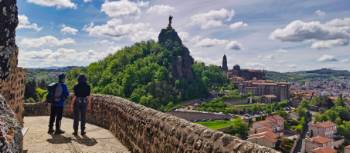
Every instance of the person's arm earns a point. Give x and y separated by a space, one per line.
73 101
65 91
72 104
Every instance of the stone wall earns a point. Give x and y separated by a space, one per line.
11 77
11 139
144 130
11 81
12 89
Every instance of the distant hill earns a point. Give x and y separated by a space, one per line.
320 74
48 74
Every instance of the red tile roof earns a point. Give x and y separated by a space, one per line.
326 124
324 150
267 135
275 118
320 139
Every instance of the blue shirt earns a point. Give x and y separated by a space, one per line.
65 93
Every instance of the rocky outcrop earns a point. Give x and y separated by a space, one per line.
182 61
11 138
145 130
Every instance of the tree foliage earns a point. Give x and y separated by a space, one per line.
143 74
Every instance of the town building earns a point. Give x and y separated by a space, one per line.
273 123
266 138
317 142
264 88
326 129
267 132
246 74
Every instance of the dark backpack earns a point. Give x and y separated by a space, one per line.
51 88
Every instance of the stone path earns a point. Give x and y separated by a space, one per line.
36 139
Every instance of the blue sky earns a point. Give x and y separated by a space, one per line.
288 35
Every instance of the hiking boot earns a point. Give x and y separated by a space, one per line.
50 131
83 132
59 131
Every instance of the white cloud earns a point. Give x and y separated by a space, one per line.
184 36
329 34
87 1
24 23
115 28
208 42
61 57
233 45
292 66
267 57
342 23
161 9
54 3
327 58
320 13
69 30
213 18
255 65
344 60
282 51
323 44
120 8
47 41
238 25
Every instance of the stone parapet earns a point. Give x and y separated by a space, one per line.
145 130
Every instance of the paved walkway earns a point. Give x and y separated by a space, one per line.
36 139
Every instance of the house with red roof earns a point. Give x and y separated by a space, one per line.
317 142
326 129
266 138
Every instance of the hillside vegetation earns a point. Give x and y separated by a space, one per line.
155 74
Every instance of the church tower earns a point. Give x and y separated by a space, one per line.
224 64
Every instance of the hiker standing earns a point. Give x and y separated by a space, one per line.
58 93
81 104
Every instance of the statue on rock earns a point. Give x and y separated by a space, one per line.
169 34
170 21
181 64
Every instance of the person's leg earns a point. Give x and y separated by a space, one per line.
52 119
76 118
83 110
58 120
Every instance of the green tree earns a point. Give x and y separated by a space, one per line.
29 91
238 128
344 129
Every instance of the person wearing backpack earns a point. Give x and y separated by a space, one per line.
81 103
58 93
